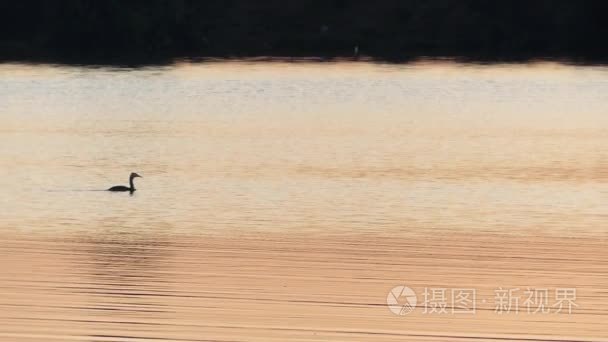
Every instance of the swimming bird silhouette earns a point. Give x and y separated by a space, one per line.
130 188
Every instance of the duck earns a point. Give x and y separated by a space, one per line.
129 188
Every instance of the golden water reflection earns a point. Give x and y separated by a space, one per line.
283 201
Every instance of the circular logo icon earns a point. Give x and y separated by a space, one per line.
401 300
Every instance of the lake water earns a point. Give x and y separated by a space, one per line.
283 201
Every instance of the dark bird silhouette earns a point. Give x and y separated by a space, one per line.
130 188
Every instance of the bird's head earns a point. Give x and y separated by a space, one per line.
135 175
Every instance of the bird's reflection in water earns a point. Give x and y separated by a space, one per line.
128 285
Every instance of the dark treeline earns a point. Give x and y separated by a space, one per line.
382 29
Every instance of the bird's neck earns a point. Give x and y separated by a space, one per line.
131 184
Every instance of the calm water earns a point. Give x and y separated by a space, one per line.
283 201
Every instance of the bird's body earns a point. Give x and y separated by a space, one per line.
120 188
130 188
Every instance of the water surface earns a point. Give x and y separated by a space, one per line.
283 201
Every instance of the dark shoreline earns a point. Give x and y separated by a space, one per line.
147 61
158 32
